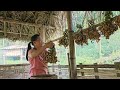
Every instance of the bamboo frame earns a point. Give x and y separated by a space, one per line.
23 23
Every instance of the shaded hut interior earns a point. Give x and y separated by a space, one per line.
21 25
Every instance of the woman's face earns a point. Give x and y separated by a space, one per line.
38 43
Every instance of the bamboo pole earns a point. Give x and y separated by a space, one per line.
56 39
71 47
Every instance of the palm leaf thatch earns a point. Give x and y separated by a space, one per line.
21 25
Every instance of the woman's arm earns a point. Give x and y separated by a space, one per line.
35 53
43 55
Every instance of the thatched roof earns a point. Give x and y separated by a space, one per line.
21 25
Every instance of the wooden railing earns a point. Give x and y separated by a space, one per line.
94 71
98 71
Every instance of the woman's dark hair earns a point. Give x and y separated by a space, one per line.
33 38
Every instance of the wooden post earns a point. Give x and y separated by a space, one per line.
117 67
96 70
69 65
100 49
71 47
81 67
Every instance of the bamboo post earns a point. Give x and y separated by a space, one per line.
69 65
71 47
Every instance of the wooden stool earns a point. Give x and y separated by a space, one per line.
48 76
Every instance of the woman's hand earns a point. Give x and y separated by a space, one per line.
40 51
49 44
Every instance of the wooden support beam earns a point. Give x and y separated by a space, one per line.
71 47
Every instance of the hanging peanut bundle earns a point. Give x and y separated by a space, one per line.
109 26
108 29
117 21
93 33
64 40
51 55
80 36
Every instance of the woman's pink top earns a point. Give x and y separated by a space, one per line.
38 66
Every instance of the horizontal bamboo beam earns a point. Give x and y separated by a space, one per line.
56 39
13 33
23 23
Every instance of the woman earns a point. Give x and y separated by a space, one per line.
36 55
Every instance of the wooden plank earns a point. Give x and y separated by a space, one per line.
99 66
101 71
89 66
